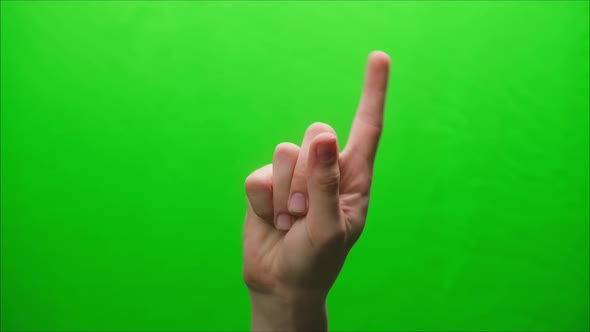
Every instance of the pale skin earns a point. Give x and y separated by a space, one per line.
305 212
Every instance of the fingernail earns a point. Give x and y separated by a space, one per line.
325 151
283 222
297 203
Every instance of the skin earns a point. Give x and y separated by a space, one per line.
305 212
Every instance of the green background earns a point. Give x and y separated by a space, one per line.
128 129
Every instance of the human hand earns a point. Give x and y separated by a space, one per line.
307 209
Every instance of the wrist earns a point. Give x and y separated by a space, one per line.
288 312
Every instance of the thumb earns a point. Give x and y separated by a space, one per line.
323 180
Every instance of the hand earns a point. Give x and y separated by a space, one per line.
307 209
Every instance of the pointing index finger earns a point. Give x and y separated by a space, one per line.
368 122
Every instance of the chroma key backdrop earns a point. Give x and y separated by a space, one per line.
128 129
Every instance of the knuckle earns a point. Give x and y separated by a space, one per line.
373 123
298 182
329 182
256 181
286 149
252 182
318 128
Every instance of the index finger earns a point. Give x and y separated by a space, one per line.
368 122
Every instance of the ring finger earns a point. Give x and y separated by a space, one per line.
283 165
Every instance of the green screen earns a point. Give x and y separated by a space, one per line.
128 129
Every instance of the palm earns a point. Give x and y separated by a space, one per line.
309 256
288 254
